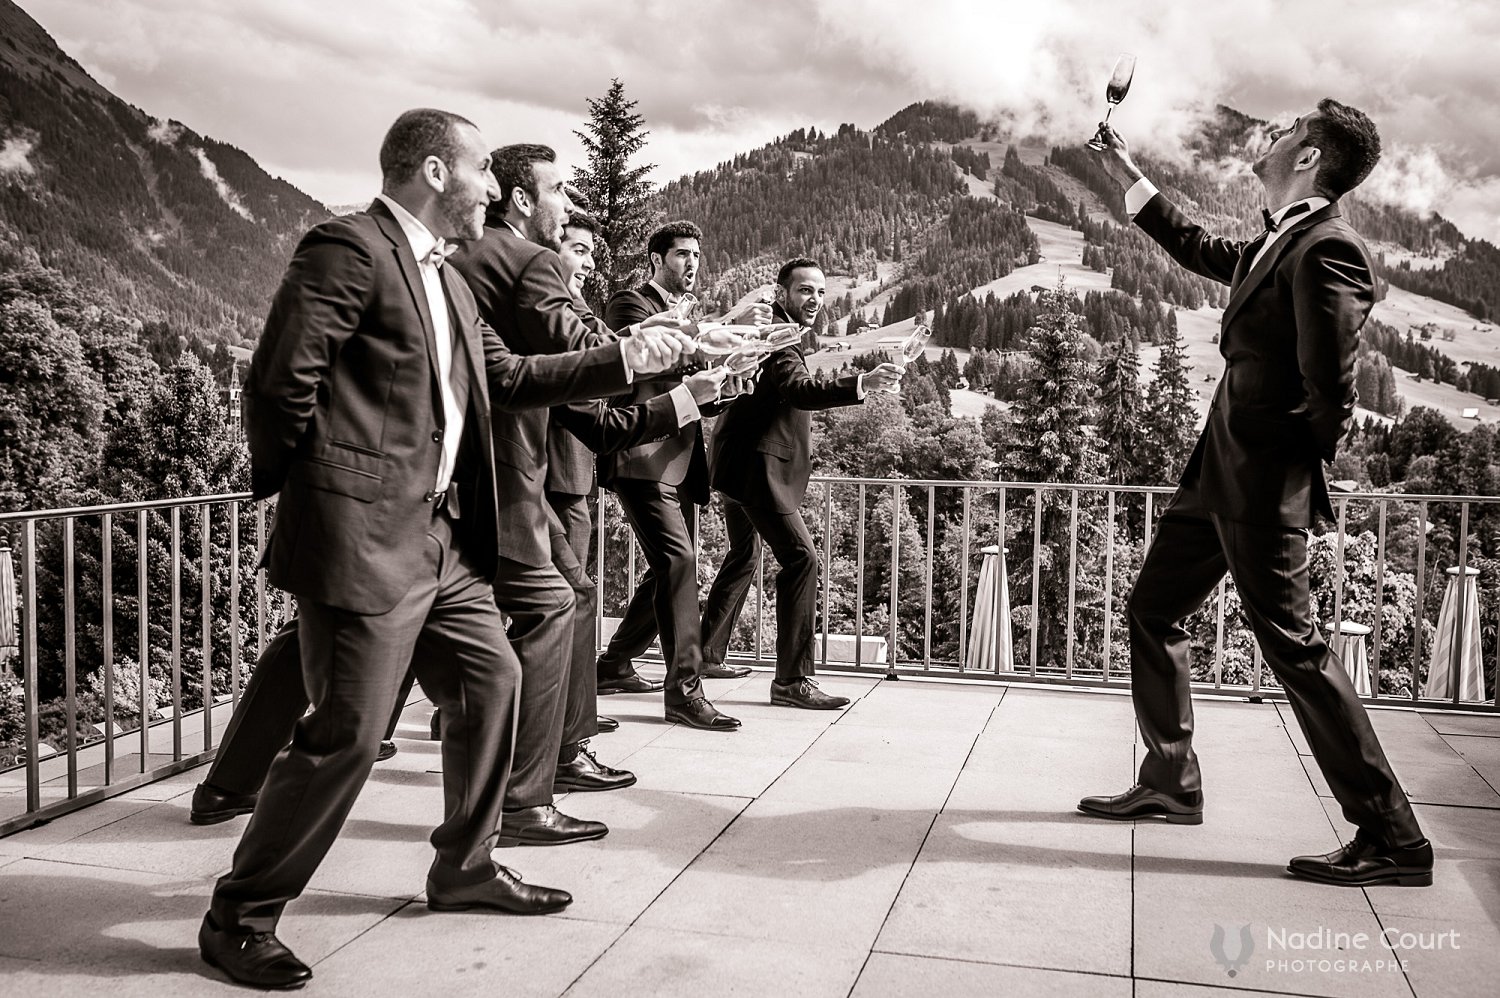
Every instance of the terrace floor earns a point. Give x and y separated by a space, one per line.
923 842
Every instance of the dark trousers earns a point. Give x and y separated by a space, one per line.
540 605
352 667
666 599
1269 564
581 720
796 586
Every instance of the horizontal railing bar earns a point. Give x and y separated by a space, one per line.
119 507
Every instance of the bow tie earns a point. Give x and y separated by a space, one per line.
440 253
1300 208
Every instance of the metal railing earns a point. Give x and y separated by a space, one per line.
124 677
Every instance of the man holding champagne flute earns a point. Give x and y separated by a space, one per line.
760 459
1299 294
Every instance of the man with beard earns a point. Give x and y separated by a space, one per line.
367 407
660 486
1299 294
516 275
760 458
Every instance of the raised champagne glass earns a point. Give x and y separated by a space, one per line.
911 349
1119 86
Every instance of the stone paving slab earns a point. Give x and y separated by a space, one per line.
924 841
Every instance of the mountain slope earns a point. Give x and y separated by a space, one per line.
173 226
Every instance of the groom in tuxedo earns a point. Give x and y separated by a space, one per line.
367 409
1299 294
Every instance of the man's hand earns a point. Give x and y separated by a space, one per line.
756 313
883 376
705 385
654 349
1115 157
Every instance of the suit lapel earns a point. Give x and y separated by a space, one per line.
648 292
408 263
1267 263
465 330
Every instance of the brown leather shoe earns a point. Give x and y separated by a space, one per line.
545 825
258 959
718 670
1364 863
212 805
1143 802
587 773
804 693
699 713
505 893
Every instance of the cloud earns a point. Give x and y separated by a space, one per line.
311 88
165 132
211 174
15 157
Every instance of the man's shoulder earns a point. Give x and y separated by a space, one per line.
1334 236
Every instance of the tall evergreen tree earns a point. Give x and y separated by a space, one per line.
618 194
1120 411
1171 418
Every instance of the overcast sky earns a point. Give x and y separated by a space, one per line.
308 88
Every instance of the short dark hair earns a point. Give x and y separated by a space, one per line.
580 219
513 166
415 135
662 239
784 275
1349 143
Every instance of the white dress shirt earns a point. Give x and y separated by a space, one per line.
422 243
1144 190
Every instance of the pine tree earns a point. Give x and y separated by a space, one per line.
1120 412
1170 415
618 194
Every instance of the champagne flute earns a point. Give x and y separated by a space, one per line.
911 349
683 308
1119 86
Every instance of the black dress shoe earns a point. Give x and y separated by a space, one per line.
1143 802
545 825
633 683
255 958
212 805
718 670
606 724
586 772
699 713
1364 863
387 749
435 725
505 893
804 693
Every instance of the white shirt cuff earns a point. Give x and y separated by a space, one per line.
1140 192
859 387
629 371
686 406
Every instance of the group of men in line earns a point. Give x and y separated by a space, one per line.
429 415
392 359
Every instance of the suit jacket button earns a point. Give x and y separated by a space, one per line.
437 436
427 496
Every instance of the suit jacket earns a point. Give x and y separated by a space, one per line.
344 418
679 460
571 465
761 449
1288 339
520 291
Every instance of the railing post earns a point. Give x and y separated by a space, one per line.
963 588
859 582
206 615
1379 602
107 638
143 631
70 657
1338 570
931 534
176 589
234 603
890 662
1036 575
1416 636
827 563
1072 578
29 670
1109 581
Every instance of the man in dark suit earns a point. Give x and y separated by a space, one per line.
760 459
516 275
367 408
660 486
1299 295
